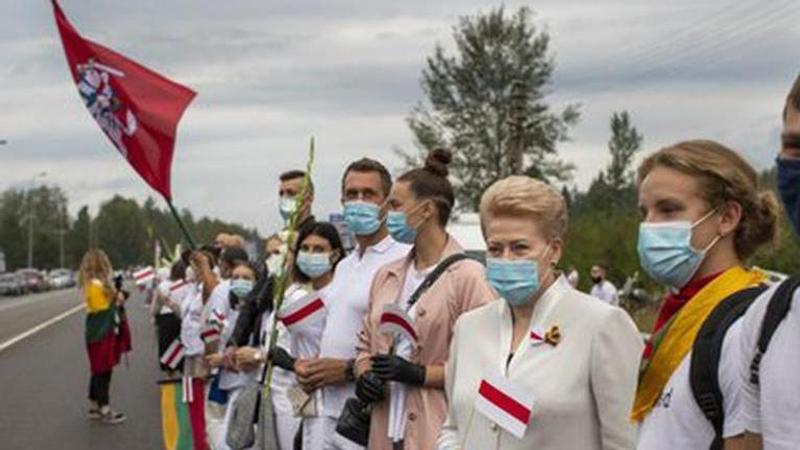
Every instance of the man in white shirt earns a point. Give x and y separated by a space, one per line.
365 186
602 288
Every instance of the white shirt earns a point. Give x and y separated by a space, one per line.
772 408
282 380
192 321
676 422
606 292
349 299
583 387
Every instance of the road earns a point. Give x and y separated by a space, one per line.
44 380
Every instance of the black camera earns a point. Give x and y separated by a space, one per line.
118 282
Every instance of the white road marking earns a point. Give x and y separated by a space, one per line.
41 326
10 303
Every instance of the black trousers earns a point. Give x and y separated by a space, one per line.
99 386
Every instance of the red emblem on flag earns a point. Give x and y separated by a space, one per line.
136 108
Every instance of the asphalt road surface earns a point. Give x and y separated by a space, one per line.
44 379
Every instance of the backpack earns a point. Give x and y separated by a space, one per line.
707 349
706 353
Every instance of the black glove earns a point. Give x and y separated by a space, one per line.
281 358
370 388
395 368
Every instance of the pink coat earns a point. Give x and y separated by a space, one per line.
461 288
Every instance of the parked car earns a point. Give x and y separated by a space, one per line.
12 284
34 280
60 279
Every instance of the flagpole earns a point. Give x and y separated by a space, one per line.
177 217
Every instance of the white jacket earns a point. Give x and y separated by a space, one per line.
583 387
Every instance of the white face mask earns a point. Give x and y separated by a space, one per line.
287 207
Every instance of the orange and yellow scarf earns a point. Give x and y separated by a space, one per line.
674 341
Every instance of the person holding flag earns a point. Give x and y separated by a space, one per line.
319 251
413 304
546 366
107 331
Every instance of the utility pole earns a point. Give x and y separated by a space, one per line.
61 232
517 121
30 217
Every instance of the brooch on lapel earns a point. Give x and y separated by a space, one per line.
553 336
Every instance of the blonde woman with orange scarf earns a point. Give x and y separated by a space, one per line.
702 218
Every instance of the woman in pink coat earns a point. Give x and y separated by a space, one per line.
404 344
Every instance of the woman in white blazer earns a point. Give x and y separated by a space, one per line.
548 367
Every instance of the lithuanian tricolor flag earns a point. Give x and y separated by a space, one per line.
183 422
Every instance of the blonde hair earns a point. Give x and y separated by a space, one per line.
95 265
723 176
520 196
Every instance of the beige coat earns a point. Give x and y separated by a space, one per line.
583 387
461 288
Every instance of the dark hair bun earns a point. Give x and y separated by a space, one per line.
437 162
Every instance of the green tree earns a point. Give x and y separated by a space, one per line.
614 187
121 232
77 241
487 105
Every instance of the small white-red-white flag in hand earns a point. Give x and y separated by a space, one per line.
302 311
504 403
396 321
173 355
144 276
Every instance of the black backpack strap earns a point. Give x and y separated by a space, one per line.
777 309
434 275
706 353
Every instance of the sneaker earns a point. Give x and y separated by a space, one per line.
94 414
112 417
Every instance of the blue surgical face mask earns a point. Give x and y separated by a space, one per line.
397 224
666 252
287 206
363 218
314 265
515 280
241 287
789 188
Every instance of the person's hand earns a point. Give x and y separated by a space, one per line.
370 388
199 261
248 357
791 124
229 358
281 358
315 373
395 368
214 360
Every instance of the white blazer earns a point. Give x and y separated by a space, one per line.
583 387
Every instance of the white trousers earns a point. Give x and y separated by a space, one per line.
286 426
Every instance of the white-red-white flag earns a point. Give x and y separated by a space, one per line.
302 310
504 403
173 355
210 333
396 321
144 276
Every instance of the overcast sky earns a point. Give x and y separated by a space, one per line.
271 73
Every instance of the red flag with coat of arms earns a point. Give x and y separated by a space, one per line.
136 108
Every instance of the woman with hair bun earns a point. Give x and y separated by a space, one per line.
703 216
402 373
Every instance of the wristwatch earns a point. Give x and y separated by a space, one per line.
349 371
